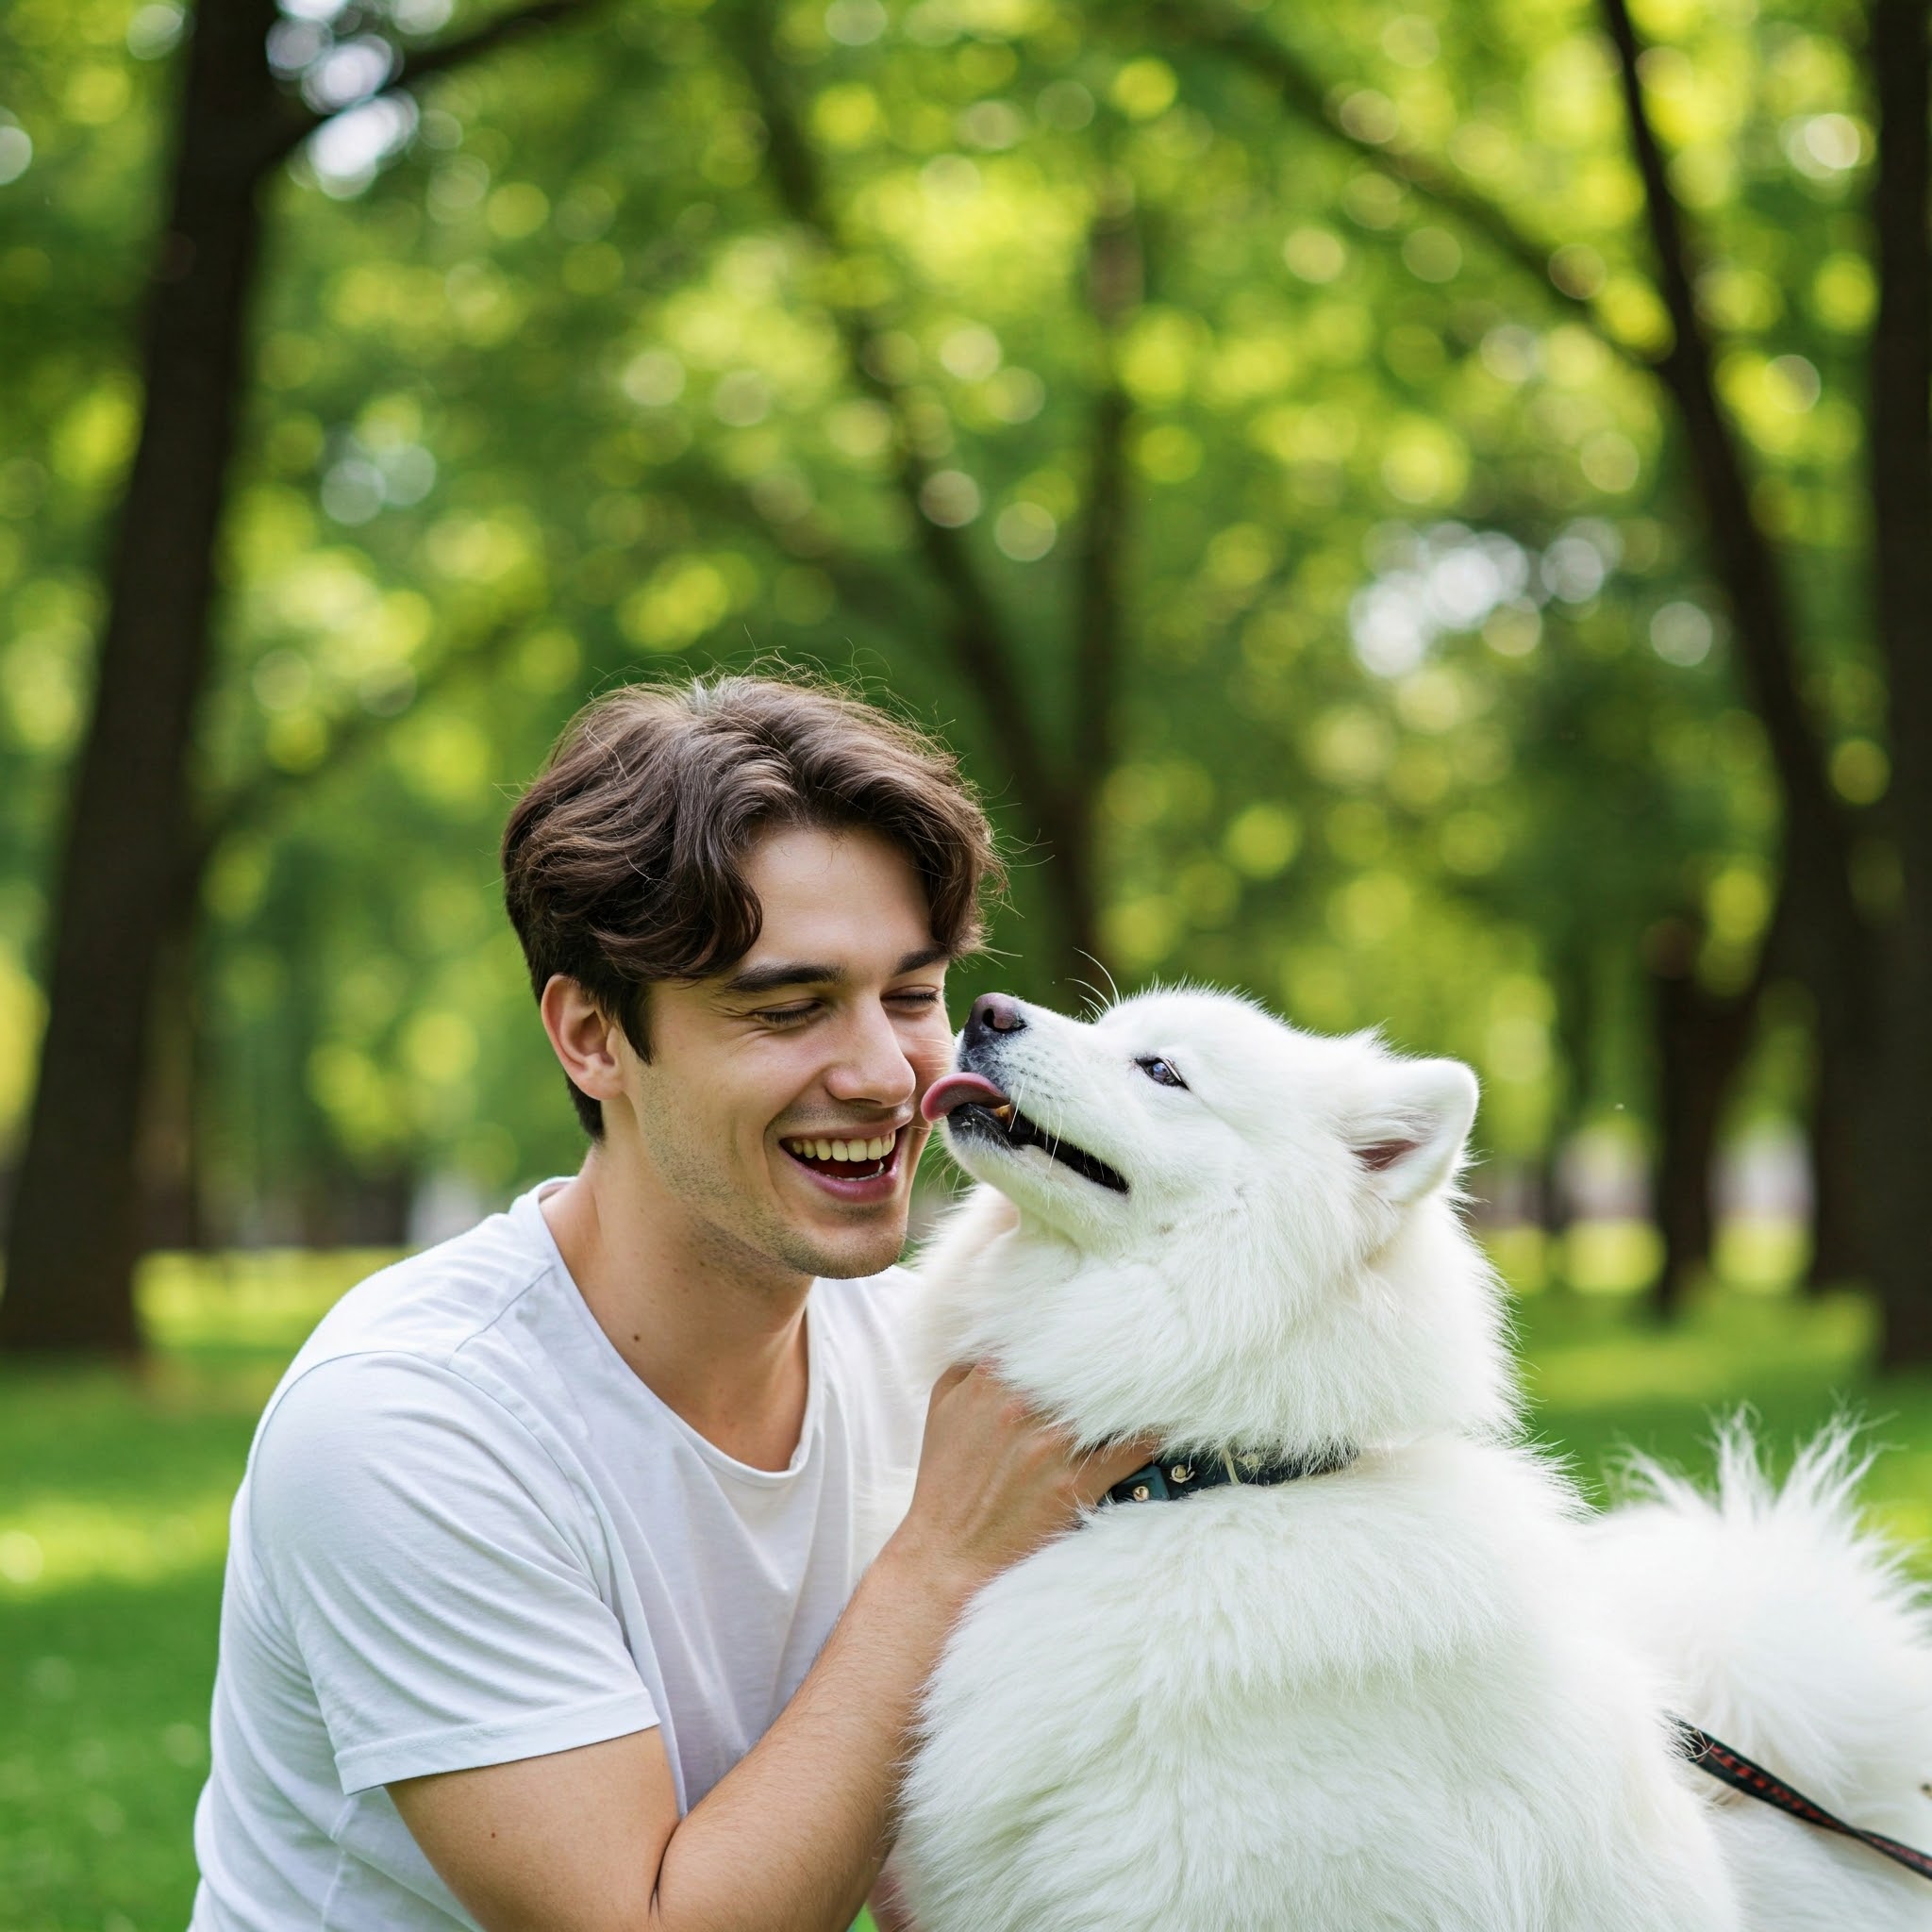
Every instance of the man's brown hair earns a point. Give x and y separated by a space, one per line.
623 863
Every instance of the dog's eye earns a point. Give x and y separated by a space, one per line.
1161 1073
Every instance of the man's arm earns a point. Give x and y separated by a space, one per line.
793 1836
588 1841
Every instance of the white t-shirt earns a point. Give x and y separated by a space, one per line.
469 1534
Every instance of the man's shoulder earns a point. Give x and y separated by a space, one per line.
434 1303
413 1323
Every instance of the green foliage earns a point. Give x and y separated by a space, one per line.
1425 714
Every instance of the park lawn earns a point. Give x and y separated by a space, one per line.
114 1494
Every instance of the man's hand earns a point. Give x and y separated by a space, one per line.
996 1480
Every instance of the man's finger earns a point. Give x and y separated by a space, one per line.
949 1380
1100 1469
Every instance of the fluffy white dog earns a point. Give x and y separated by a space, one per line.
1388 1680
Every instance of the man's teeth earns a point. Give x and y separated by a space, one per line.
874 1149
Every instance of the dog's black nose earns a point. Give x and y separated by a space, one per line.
994 1012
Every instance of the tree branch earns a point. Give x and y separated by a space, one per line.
872 588
254 797
1305 95
444 57
985 655
297 120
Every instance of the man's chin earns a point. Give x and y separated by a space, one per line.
847 1254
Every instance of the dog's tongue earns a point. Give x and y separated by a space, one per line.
958 1089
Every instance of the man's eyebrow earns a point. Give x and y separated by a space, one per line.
757 979
785 973
934 954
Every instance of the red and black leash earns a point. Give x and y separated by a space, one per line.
1733 1768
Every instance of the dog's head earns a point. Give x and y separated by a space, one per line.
1228 1230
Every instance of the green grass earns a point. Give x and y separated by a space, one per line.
114 1497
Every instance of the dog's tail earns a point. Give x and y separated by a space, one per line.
1787 1628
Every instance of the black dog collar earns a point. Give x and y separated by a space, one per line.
1180 1473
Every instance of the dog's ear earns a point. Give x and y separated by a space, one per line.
1409 1141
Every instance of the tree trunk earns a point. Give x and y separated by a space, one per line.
1838 1255
74 1233
338 1206
1115 272
1701 1040
73 1229
1094 691
1573 981
1898 1147
1874 986
168 1149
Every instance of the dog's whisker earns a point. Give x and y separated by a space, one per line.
1095 999
1101 966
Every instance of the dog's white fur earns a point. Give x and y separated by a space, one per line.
1796 1637
1417 1693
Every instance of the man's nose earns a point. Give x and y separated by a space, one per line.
994 1013
873 1066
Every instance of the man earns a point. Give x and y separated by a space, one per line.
564 1589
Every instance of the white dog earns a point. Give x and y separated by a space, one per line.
1387 1679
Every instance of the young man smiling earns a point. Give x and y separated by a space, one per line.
587 1568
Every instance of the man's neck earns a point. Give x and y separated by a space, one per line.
715 1332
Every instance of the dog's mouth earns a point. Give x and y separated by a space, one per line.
973 1104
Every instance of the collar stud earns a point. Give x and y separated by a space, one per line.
1163 1481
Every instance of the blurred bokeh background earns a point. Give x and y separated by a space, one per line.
1422 512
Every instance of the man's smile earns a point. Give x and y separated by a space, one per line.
860 1164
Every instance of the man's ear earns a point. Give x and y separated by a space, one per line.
1409 1141
584 1037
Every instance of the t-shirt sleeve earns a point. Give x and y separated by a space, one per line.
428 1557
